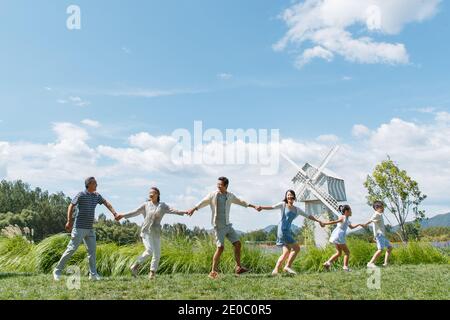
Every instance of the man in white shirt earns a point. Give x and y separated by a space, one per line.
220 202
379 233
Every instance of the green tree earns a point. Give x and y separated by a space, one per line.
38 210
119 233
399 192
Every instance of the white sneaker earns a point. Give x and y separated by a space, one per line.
327 266
275 273
94 277
347 269
371 265
134 270
56 276
290 271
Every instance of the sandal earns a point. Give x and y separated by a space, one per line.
241 270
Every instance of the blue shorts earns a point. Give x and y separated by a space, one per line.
382 242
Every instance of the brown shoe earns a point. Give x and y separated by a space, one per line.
241 270
213 275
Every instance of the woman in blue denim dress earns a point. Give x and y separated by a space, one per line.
285 237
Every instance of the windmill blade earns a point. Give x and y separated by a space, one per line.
324 163
301 176
300 190
326 199
294 164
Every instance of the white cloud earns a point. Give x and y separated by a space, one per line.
224 76
311 53
426 110
328 138
74 100
144 140
346 78
126 50
127 172
91 123
443 117
325 25
152 93
360 130
77 101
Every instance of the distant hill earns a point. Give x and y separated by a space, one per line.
442 220
269 229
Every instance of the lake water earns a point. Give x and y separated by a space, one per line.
268 248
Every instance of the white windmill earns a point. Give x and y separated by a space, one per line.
321 190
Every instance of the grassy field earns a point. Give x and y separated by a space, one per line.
397 283
193 256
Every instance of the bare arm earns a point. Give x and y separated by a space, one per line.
354 226
311 217
110 208
266 208
329 223
69 224
365 225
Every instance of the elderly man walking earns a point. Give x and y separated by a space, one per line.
83 231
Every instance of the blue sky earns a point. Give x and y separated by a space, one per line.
155 66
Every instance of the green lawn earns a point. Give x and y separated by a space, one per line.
397 283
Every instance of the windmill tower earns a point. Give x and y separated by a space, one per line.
321 190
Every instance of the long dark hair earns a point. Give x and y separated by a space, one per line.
285 195
343 208
159 193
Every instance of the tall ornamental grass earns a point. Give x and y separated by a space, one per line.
194 255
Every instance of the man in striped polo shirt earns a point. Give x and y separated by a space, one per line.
85 201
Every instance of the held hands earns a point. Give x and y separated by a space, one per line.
69 226
191 212
118 217
258 208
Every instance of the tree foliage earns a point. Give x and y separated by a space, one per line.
36 209
400 193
